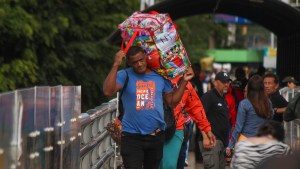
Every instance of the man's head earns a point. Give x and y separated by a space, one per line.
197 69
136 58
222 81
290 81
271 83
240 73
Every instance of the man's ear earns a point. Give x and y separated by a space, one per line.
215 83
127 63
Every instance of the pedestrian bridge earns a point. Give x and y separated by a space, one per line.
42 127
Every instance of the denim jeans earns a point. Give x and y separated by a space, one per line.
142 151
184 147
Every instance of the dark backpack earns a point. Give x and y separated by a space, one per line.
170 121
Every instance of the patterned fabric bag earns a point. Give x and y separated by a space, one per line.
114 128
156 34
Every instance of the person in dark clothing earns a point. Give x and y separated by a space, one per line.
196 81
239 84
279 104
198 86
261 71
217 113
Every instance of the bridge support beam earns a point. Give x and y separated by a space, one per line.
288 56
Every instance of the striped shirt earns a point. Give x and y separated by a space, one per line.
248 155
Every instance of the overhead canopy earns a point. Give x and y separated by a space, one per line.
237 56
275 15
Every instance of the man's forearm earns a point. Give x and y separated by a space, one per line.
281 110
178 93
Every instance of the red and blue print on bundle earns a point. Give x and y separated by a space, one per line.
157 35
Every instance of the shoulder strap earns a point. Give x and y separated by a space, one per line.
121 113
125 84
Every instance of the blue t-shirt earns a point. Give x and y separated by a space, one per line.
142 101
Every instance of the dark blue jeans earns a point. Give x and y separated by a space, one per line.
142 151
182 154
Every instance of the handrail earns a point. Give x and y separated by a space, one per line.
88 147
292 134
97 148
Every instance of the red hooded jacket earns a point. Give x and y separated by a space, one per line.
191 103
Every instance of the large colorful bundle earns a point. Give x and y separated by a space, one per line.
157 35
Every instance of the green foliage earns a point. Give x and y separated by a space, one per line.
63 42
195 32
18 74
58 42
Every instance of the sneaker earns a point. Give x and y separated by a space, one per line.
186 163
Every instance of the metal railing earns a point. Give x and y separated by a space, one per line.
97 149
292 128
42 127
292 134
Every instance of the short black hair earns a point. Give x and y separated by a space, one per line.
240 73
272 75
261 70
197 68
133 50
273 128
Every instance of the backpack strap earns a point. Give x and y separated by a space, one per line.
125 84
120 96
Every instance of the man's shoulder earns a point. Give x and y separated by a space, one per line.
276 98
208 94
277 95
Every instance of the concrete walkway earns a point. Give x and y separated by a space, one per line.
195 165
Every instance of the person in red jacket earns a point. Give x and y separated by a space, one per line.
190 107
231 102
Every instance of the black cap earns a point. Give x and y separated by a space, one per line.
289 79
223 77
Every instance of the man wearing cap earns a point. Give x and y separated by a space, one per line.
291 89
217 113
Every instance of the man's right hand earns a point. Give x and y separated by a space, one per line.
110 86
120 55
209 140
212 138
